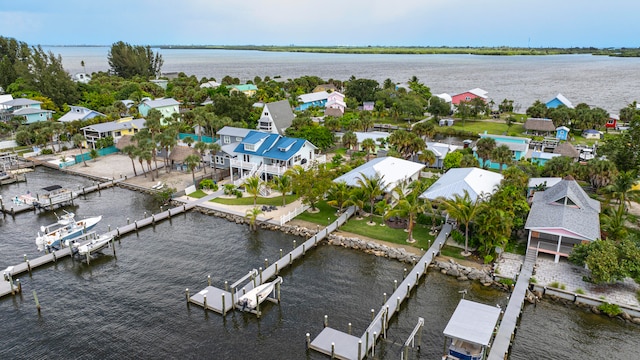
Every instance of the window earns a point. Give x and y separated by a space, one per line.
238 139
297 158
219 160
226 139
250 147
246 157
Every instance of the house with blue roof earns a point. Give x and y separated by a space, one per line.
79 113
267 155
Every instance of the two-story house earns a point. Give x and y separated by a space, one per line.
276 117
27 109
167 107
229 138
267 155
114 129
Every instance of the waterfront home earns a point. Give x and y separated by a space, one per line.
336 101
314 99
539 127
562 216
518 146
540 184
612 123
267 155
479 183
469 95
114 129
562 132
393 171
228 138
325 87
83 78
440 150
212 84
379 137
247 89
470 330
276 117
79 113
167 107
557 101
27 109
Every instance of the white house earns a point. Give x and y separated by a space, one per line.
477 182
276 117
79 113
167 107
391 170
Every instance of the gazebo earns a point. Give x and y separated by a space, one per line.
179 154
470 330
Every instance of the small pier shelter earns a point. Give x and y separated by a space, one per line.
470 330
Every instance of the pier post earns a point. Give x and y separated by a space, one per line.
308 341
260 272
276 268
398 303
128 221
186 294
408 290
35 297
84 192
366 344
290 258
113 245
88 257
19 285
278 291
404 273
145 215
349 329
266 263
280 253
395 285
359 349
209 280
226 286
294 244
420 335
29 266
333 350
385 298
224 306
326 320
109 228
373 314
153 219
417 277
205 303
258 313
135 223
303 249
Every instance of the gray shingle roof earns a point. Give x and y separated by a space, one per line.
281 114
565 209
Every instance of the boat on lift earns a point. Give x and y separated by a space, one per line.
52 236
95 244
257 295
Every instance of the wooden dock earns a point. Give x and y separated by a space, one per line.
13 208
222 301
507 329
345 346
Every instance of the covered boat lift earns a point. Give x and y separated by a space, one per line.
470 331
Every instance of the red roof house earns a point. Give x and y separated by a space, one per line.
468 96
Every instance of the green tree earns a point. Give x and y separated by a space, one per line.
438 107
601 172
484 149
468 160
284 185
464 210
252 187
78 139
452 160
202 148
252 215
338 194
409 206
502 155
372 186
361 89
213 149
427 157
537 110
128 60
192 161
349 140
368 145
559 166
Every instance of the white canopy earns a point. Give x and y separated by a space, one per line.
473 322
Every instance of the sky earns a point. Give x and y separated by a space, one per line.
517 23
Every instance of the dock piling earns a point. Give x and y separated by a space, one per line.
333 350
260 272
326 320
349 329
29 266
404 273
19 285
385 298
35 297
395 285
308 341
186 292
209 280
266 263
205 303
226 286
359 349
224 306
53 253
280 253
373 314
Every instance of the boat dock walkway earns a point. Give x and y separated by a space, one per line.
29 265
508 325
222 301
12 207
340 345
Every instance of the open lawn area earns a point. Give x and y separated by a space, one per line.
275 201
496 128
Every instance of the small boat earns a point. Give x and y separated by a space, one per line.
257 295
55 194
64 229
96 244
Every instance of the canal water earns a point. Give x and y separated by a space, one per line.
133 306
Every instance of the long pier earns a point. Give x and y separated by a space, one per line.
508 325
14 208
223 300
345 346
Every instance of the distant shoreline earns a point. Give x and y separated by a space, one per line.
407 50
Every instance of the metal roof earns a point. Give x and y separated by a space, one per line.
115 126
158 103
455 181
20 102
472 322
316 96
271 147
30 110
233 131
255 137
392 171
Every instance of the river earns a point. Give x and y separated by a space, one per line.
133 306
606 82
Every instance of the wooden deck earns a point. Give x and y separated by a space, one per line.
345 346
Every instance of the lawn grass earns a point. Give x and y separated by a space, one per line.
452 251
275 201
324 217
197 194
385 233
495 128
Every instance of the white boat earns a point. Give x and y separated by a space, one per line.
257 295
96 244
55 194
64 229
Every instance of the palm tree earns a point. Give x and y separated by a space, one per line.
349 140
424 129
192 162
130 151
168 139
427 157
252 214
621 189
372 186
613 221
601 172
284 185
368 145
202 147
338 194
356 198
464 210
502 155
252 187
484 147
213 149
409 206
78 139
139 154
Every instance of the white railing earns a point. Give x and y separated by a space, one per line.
297 211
